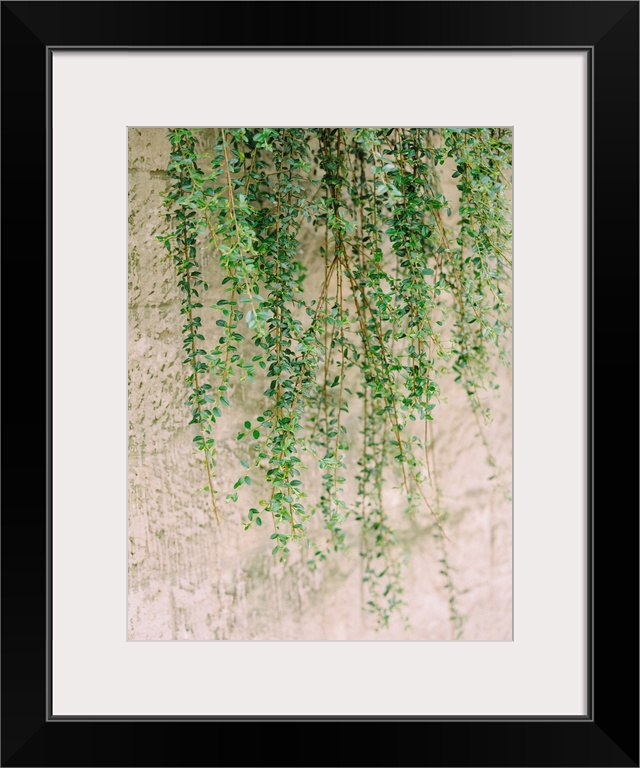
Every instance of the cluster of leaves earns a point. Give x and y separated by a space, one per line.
411 291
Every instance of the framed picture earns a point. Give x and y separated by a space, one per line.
536 680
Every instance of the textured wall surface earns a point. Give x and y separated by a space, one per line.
192 580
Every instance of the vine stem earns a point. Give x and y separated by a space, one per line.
232 208
196 381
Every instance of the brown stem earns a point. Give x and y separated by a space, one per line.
197 383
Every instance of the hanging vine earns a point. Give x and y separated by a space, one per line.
413 288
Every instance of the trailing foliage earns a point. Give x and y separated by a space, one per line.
414 287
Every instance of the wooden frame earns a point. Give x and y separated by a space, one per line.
608 735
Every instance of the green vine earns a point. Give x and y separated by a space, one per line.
413 288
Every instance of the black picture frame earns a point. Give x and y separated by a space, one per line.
608 735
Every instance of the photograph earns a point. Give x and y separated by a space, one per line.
296 394
320 383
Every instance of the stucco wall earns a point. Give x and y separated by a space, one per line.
190 579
